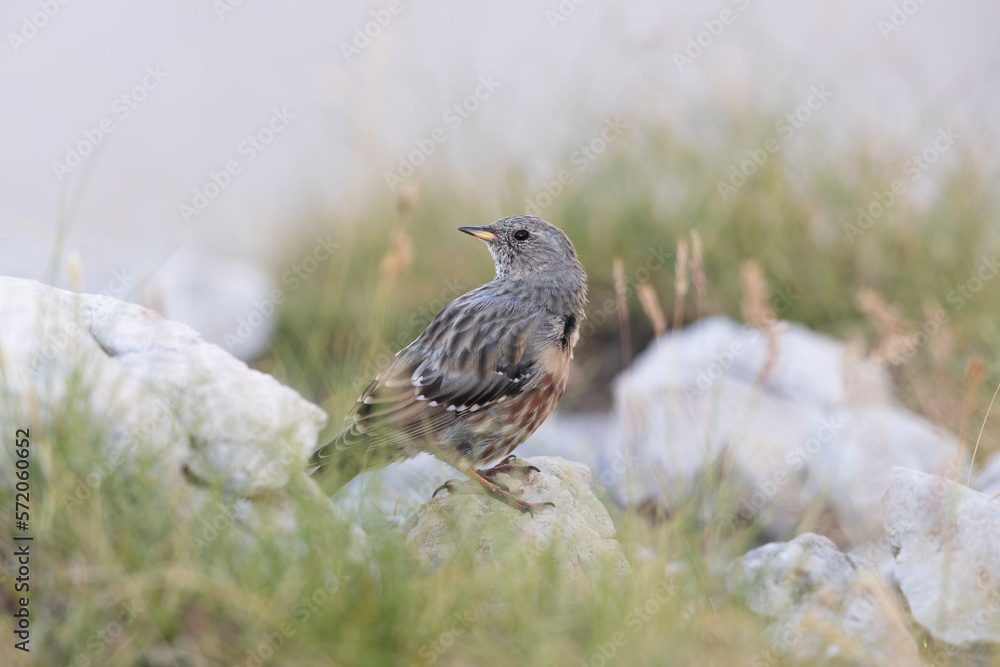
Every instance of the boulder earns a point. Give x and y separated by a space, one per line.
802 427
946 539
822 604
577 532
153 386
988 479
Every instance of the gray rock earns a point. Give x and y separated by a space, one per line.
988 479
398 490
577 532
823 605
818 430
947 542
154 386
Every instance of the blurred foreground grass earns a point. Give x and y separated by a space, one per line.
127 571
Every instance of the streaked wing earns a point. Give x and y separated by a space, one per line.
473 355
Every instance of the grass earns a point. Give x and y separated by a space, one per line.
120 575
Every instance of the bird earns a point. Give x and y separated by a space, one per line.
486 372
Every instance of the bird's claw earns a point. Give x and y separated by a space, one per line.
507 467
446 486
531 507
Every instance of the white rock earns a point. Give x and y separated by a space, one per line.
155 386
577 532
819 430
947 542
823 605
399 489
988 480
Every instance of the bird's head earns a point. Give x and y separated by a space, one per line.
528 248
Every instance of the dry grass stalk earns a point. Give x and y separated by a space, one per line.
651 306
979 439
892 331
397 258
621 291
757 311
74 271
395 261
698 273
407 198
975 375
680 283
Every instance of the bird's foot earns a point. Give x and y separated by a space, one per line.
463 487
498 491
448 486
506 496
508 467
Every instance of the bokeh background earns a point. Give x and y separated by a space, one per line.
118 116
203 157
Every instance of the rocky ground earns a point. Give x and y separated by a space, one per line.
763 431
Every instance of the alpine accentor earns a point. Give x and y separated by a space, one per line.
487 371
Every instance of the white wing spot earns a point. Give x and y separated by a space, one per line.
433 404
460 408
473 408
501 399
421 397
368 400
451 408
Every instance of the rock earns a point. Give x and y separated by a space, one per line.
154 386
988 480
823 605
947 543
399 489
577 532
818 430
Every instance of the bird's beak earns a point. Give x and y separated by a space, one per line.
484 233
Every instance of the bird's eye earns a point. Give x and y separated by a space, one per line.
521 235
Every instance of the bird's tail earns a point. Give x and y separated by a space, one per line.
336 463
